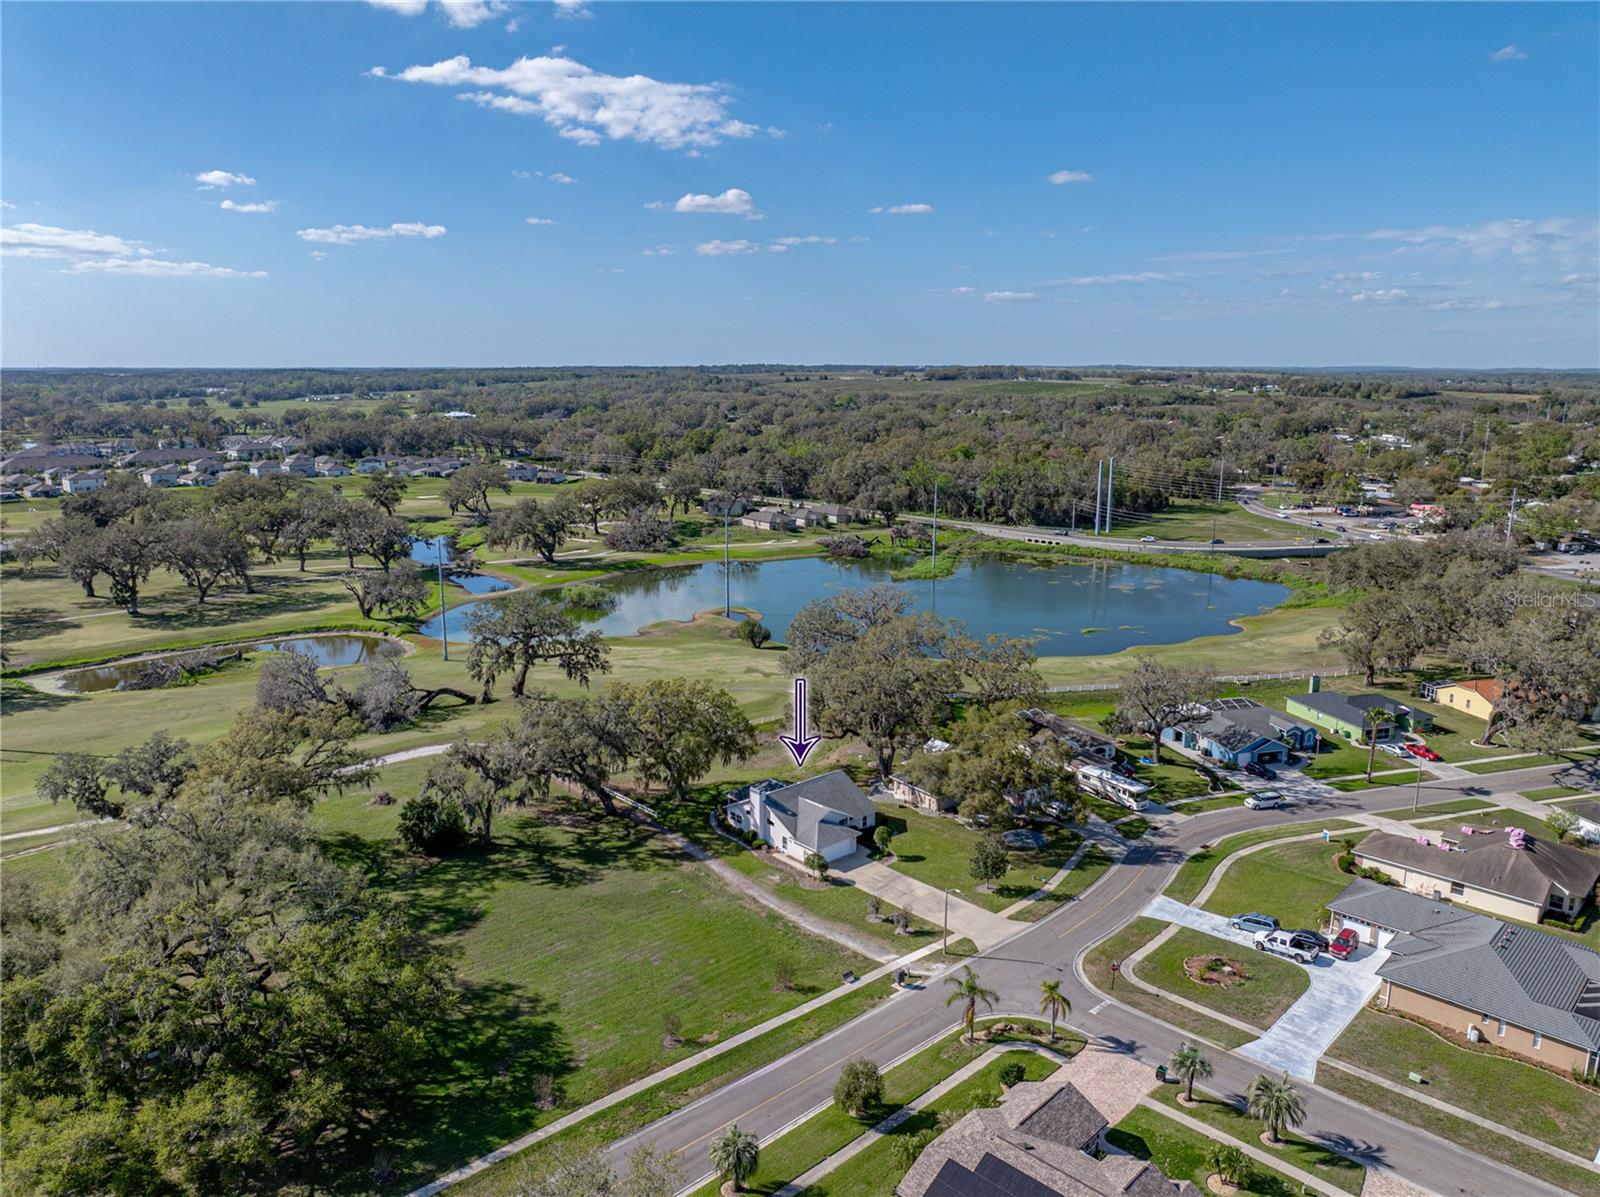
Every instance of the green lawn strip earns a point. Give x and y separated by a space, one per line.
1291 882
938 852
1270 986
1501 818
1193 874
1180 1154
873 1172
507 1177
1295 1150
1202 805
1401 777
1573 757
1523 1096
1132 829
1459 806
1338 759
1097 967
837 902
1091 865
1475 1138
1546 793
800 1149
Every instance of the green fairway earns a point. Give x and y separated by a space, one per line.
1268 988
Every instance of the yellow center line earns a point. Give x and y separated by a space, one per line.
1073 927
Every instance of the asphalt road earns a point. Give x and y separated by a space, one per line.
768 1100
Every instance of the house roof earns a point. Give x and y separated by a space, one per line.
833 790
1490 862
1262 720
809 810
1485 687
1059 1113
1076 734
1224 729
1350 708
1528 977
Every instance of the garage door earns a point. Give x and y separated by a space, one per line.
1273 756
1364 930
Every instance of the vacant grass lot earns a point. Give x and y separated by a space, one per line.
1296 1149
1180 1153
1193 874
1271 987
1195 521
1291 882
938 852
1522 1096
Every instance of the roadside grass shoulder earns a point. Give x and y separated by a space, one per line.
1122 944
938 852
1292 882
1193 874
1297 1150
1401 777
1270 986
1180 1154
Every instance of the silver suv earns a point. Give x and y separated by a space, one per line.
1282 943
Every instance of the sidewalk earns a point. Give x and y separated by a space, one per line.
1254 1150
984 927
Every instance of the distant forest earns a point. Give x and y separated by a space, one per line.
1009 443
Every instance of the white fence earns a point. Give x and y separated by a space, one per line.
1238 678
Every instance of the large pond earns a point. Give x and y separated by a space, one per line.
1070 609
430 551
329 652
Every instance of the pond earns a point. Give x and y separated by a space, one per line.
426 551
1072 609
329 652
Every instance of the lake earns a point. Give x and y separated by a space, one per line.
1070 609
428 551
329 652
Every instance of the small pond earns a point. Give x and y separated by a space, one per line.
427 550
1070 609
329 652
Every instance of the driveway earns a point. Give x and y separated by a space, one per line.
1338 990
927 902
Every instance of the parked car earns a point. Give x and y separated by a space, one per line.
1262 923
1316 523
1344 944
1281 943
1217 540
1147 540
1264 800
1320 540
1392 749
1305 940
1423 751
1257 769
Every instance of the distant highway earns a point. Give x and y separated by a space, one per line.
1301 547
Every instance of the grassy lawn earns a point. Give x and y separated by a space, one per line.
581 937
1458 806
1180 1153
1085 873
1522 1096
1495 818
1400 777
1297 1150
1118 947
938 852
1575 757
1338 759
1547 793
873 1172
1201 805
1271 987
839 903
1571 1177
1291 882
1170 780
818 1137
1193 874
1197 521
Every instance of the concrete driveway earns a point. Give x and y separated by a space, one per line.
927 902
1337 991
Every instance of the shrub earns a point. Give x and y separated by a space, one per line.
902 922
1562 823
754 633
783 975
859 1088
1012 1073
818 864
874 910
881 837
434 826
1229 1163
759 844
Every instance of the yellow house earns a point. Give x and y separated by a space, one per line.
1475 698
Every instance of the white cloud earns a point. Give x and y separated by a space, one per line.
583 104
223 178
659 251
573 10
7 205
158 268
717 249
539 220
1111 280
228 205
902 210
1070 176
562 178
732 202
1467 305
1507 54
786 242
47 241
1009 297
347 234
1560 236
317 255
1383 295
1357 276
406 8
462 14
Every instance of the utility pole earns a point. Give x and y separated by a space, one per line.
727 568
1074 517
1483 465
1111 488
935 521
444 621
1099 483
1511 516
1221 462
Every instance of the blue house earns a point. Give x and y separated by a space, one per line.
1240 731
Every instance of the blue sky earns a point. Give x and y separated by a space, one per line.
1192 184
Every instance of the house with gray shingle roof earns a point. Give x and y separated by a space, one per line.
1519 989
1240 731
826 814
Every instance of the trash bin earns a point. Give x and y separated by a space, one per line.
1161 1073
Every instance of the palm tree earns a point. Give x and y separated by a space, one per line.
1375 717
1228 1162
1189 1064
905 1149
734 1154
968 990
1053 1003
1276 1103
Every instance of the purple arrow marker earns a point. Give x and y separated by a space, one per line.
800 744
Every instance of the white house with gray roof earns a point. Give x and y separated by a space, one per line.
1516 988
825 814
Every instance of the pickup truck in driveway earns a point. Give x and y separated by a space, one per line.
1283 943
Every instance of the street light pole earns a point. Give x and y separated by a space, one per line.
444 623
727 571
